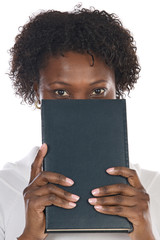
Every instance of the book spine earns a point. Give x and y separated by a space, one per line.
43 128
125 135
126 146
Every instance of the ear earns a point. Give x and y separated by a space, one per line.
36 89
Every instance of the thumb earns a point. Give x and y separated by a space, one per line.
36 166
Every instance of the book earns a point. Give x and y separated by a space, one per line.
84 138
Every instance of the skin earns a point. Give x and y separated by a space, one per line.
130 201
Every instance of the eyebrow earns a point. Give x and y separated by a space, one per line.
99 81
64 83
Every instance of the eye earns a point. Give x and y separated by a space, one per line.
99 91
60 92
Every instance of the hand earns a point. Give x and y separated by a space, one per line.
39 194
130 201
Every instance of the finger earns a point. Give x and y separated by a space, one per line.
49 177
130 174
52 189
114 201
39 203
122 189
36 166
128 212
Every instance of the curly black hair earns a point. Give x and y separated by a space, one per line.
84 31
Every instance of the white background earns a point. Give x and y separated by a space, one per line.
20 125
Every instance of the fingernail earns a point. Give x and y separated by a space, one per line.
75 197
72 204
42 147
70 181
98 207
92 200
95 191
110 170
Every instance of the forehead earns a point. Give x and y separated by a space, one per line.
75 65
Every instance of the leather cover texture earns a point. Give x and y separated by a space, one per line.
84 138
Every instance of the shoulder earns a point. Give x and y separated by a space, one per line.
14 178
15 175
151 182
149 179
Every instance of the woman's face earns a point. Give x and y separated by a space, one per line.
73 77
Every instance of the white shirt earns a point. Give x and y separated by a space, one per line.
15 177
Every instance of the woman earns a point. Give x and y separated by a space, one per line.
78 55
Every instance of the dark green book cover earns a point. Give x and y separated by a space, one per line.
84 138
